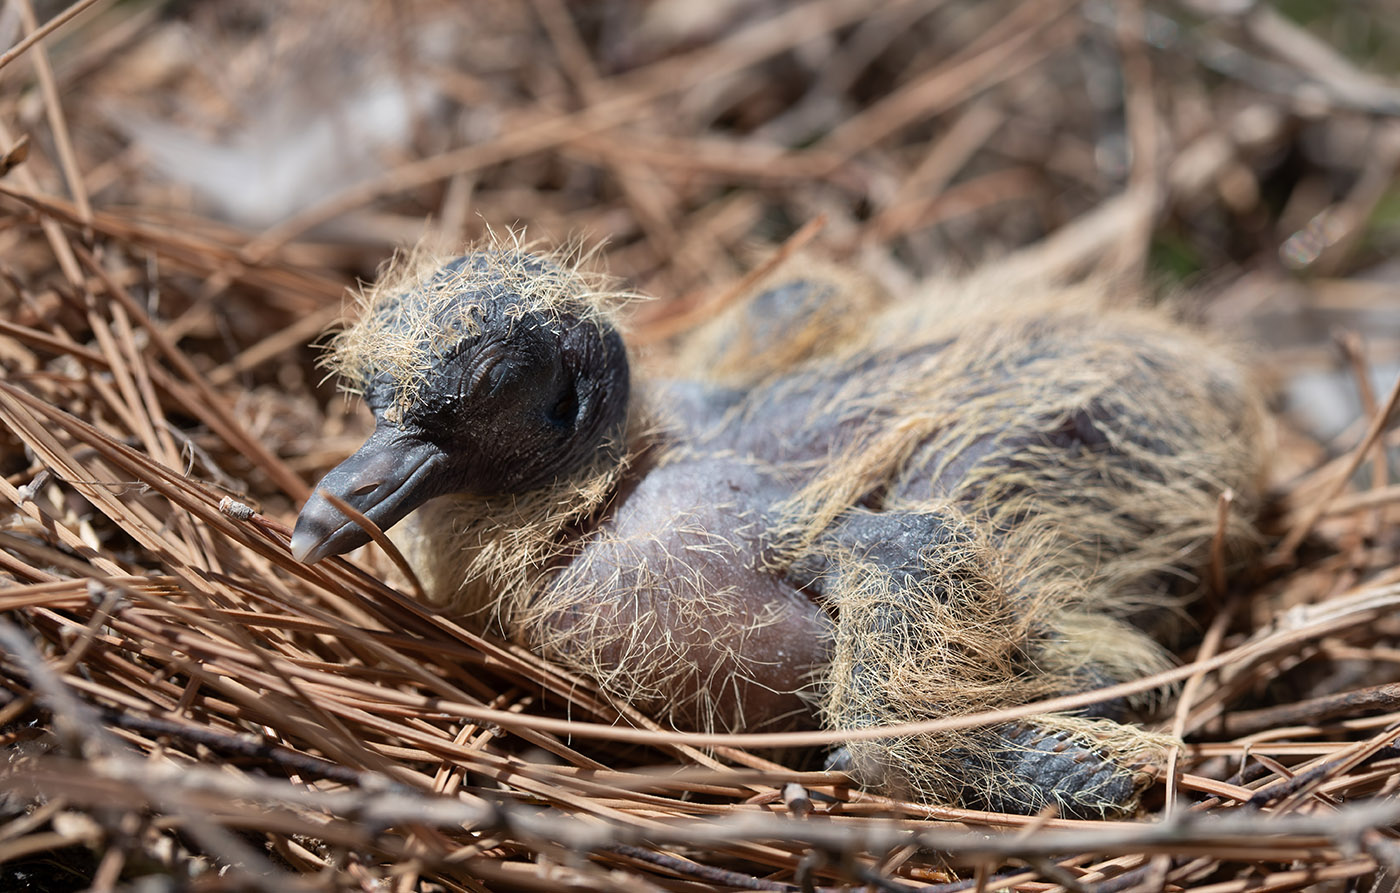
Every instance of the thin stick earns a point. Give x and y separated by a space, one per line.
380 539
1284 553
1209 646
48 85
1217 545
45 30
1378 498
1313 711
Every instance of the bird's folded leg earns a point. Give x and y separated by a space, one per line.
930 624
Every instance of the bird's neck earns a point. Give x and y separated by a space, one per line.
484 557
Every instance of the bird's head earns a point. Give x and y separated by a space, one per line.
496 373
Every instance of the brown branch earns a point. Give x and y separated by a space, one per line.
38 34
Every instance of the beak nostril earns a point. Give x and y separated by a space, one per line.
366 488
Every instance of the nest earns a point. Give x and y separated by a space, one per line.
183 700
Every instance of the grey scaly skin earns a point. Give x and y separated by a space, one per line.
830 541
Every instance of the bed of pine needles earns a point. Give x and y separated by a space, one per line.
183 706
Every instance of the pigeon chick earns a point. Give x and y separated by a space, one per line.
851 511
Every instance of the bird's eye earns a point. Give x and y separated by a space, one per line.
484 376
564 413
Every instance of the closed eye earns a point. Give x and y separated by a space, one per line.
482 374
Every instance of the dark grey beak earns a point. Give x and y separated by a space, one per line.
390 476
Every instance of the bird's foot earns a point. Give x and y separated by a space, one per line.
1083 769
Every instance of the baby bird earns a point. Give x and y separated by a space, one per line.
852 511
